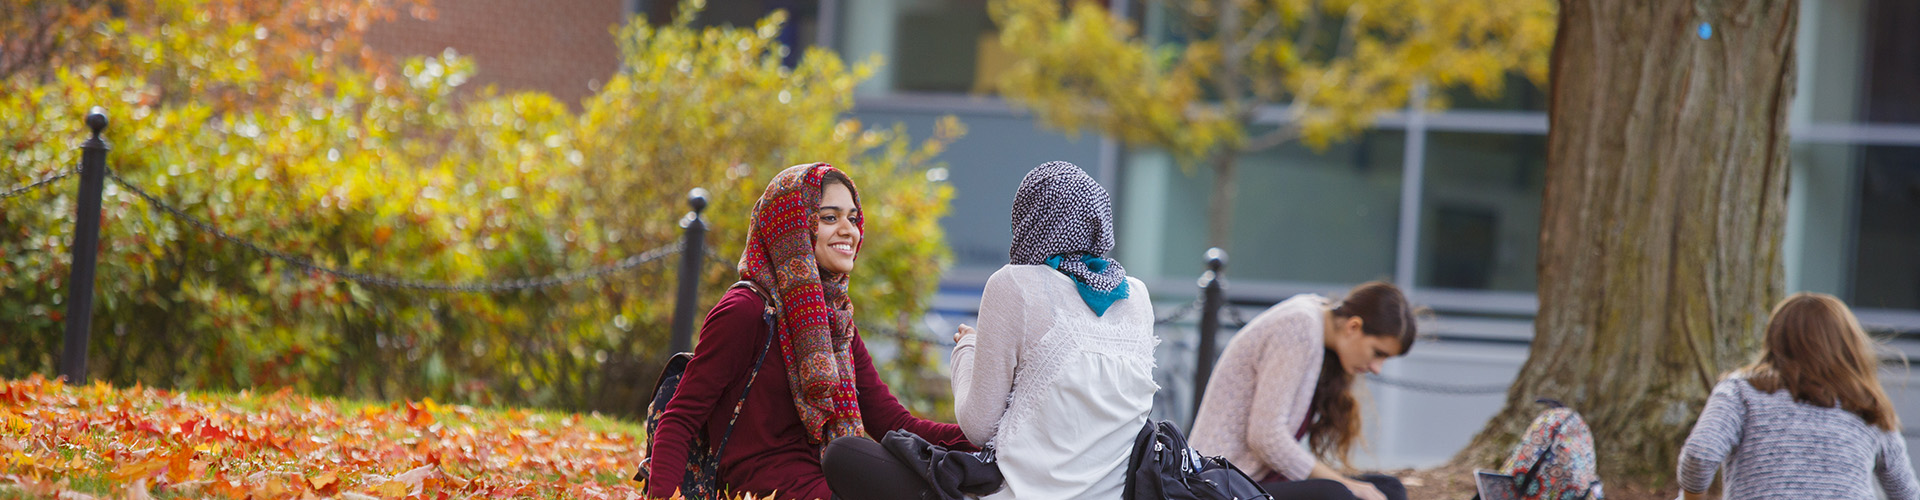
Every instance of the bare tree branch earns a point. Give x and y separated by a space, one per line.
1349 32
1285 134
1232 60
1309 30
1261 29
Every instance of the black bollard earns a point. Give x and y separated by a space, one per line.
1212 295
86 250
692 252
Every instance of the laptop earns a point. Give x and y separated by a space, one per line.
1492 486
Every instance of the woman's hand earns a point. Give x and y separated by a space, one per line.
1364 490
964 331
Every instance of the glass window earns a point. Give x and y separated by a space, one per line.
1299 215
1480 211
1853 224
1860 61
1820 203
940 45
1886 263
1893 62
947 46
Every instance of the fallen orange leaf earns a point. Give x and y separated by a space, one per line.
327 483
180 466
139 470
391 489
418 416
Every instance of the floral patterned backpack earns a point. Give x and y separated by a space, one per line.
1554 460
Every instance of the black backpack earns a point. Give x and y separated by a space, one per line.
702 478
1163 467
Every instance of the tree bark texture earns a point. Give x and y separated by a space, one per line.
1220 203
1660 239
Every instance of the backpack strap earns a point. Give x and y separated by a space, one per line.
1533 473
772 301
769 316
1546 453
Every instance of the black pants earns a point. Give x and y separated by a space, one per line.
858 468
1328 489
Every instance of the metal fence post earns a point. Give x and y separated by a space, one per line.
1212 295
86 250
692 251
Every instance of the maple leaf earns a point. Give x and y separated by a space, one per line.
139 470
186 488
418 416
179 465
326 483
391 489
274 488
12 424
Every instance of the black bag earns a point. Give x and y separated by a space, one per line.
702 478
1163 467
951 475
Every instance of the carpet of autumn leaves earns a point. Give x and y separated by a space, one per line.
97 441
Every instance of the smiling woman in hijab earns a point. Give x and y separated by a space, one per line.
819 385
1058 378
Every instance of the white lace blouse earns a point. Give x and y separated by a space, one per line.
1059 392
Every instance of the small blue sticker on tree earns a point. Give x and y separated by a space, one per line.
1706 31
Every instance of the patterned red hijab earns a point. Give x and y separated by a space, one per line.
815 325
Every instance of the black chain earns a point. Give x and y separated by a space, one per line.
19 190
1439 388
1177 314
1234 319
383 281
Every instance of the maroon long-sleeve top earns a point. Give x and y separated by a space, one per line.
768 451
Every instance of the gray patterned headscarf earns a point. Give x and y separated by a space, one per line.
1059 210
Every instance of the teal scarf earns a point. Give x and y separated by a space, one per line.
1095 299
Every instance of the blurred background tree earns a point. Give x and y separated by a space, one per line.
1200 87
274 122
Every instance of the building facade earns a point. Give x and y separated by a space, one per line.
1445 204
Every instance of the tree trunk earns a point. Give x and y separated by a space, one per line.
1661 224
1220 203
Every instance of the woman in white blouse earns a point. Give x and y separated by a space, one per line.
1058 378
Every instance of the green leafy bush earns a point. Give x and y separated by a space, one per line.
272 122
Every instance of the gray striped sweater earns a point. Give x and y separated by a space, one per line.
1775 447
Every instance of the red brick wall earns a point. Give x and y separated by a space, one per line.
561 47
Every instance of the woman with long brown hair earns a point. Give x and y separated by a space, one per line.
1807 420
1288 375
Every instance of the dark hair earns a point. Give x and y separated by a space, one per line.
1334 413
836 176
1816 350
